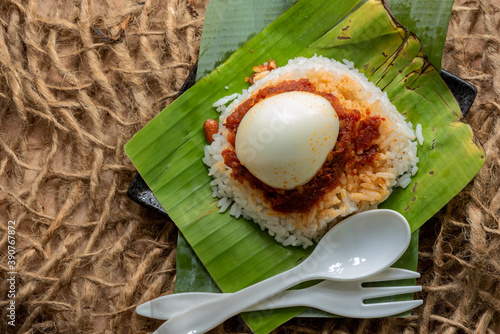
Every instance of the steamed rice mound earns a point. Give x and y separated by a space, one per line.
359 190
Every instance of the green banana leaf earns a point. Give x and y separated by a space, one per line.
429 20
228 24
168 151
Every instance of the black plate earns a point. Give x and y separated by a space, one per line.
139 191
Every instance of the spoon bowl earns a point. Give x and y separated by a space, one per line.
361 245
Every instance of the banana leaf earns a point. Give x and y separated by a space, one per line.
228 24
429 20
168 151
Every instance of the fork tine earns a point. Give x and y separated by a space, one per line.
375 292
392 274
378 310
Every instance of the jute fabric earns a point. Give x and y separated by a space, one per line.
79 78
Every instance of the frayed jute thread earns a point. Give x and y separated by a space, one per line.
70 99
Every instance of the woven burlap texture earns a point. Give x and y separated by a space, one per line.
79 78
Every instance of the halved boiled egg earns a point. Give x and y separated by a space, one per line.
285 139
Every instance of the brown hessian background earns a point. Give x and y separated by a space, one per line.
78 78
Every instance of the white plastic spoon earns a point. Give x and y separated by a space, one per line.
360 246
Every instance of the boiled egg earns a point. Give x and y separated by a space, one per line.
285 139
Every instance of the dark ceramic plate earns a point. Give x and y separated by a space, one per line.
139 191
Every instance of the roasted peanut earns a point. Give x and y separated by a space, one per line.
210 127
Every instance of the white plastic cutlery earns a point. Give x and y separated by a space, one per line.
340 298
360 246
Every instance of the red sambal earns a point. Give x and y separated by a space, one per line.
355 147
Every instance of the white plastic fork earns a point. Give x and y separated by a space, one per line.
337 297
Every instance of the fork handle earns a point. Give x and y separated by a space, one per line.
206 316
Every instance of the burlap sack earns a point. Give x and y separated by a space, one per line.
79 78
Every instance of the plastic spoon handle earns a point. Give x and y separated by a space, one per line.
204 317
165 307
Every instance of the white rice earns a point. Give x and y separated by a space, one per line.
359 192
420 137
225 100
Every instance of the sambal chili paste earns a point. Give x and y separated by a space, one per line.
355 147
